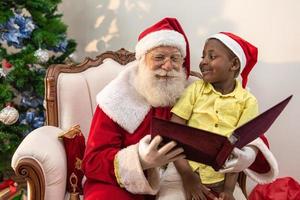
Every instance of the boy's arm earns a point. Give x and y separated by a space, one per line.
229 185
177 119
191 182
230 182
181 165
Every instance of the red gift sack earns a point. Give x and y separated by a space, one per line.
281 189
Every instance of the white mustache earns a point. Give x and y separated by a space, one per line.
172 73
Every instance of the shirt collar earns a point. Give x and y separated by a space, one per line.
237 92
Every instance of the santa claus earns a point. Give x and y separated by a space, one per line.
121 161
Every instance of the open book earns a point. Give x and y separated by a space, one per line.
211 148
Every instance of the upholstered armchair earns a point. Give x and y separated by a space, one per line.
70 92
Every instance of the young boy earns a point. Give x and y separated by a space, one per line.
217 103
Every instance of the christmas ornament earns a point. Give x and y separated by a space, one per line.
9 115
2 73
41 55
71 59
6 67
37 68
6 64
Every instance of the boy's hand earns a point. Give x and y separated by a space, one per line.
194 190
226 195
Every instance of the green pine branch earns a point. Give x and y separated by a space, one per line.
27 73
10 138
6 95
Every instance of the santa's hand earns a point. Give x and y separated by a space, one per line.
151 156
241 159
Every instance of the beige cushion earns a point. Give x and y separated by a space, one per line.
77 94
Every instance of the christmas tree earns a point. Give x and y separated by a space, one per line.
32 37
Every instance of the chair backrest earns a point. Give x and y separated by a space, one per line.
70 92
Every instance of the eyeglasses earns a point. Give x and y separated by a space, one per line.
162 58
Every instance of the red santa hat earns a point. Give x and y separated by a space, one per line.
167 32
246 52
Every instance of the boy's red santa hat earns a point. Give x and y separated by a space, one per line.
246 52
167 32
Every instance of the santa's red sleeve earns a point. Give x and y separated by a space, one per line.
265 167
109 160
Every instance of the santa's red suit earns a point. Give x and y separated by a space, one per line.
111 162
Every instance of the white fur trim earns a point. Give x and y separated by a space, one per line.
270 175
233 46
160 38
171 187
122 103
131 174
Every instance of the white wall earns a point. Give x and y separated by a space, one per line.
273 25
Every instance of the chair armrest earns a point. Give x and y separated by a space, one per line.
242 182
41 160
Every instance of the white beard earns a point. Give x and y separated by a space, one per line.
159 92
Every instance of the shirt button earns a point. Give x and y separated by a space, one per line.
217 111
216 125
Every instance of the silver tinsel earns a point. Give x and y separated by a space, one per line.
41 55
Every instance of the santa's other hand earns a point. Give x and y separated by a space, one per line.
240 160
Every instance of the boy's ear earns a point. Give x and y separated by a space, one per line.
235 64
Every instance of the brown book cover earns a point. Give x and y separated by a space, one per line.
210 148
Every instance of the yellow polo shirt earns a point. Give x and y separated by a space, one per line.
203 107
